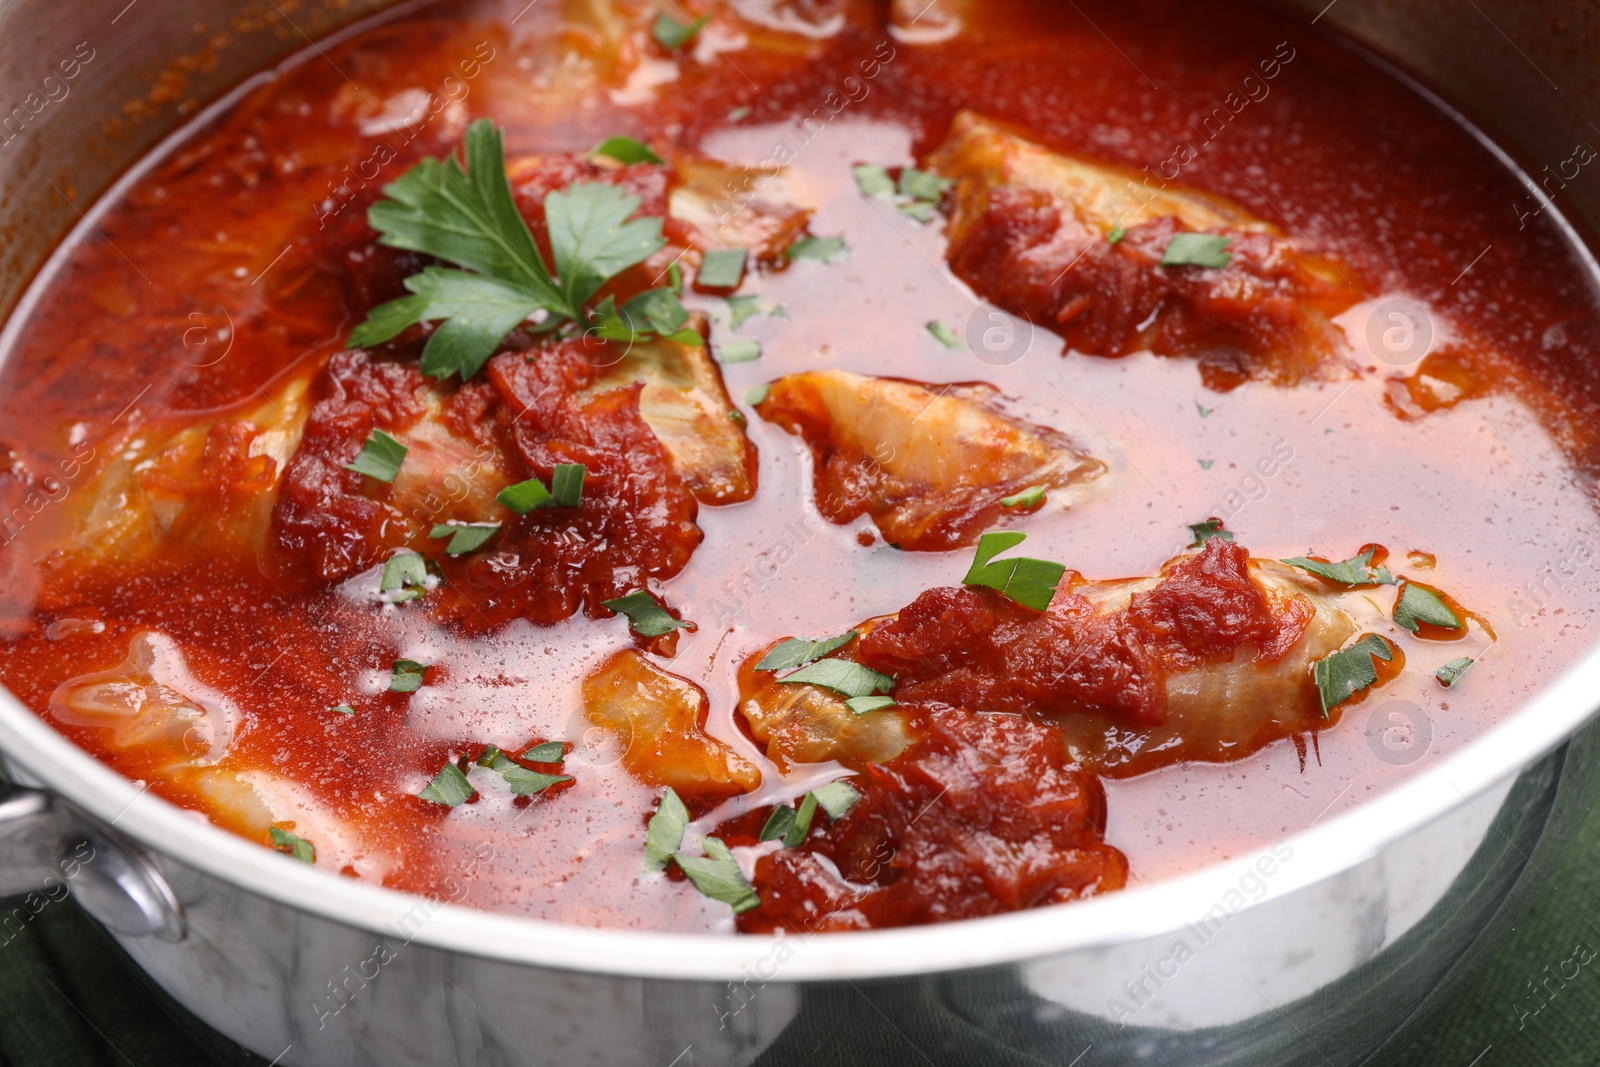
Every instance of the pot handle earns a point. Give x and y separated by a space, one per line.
44 852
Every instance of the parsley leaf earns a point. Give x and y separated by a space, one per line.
845 677
1118 232
342 709
717 875
758 395
1197 250
465 537
862 705
404 578
523 782
468 217
742 308
1452 672
380 457
548 752
738 351
406 676
945 335
449 787
1418 604
672 34
1357 570
293 845
566 490
722 268
1025 499
835 798
664 832
625 150
873 180
646 616
1029 582
827 249
921 185
1341 674
797 651
1205 531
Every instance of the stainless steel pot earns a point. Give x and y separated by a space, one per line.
1317 951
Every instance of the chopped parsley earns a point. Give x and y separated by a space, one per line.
380 457
449 787
797 651
1452 672
738 351
653 313
293 845
758 395
672 34
921 185
523 782
1118 232
1205 412
827 249
722 268
739 114
406 676
646 616
625 150
405 577
945 335
1197 250
717 875
468 217
873 180
835 798
1201 532
1418 604
862 705
1357 570
664 832
1205 464
1029 582
743 308
566 490
465 537
1341 674
548 752
342 709
1025 499
675 278
845 677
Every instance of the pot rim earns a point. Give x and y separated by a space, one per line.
34 747
43 756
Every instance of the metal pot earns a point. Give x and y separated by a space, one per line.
1317 951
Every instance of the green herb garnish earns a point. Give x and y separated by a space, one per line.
1201 532
758 395
468 217
945 335
380 457
717 875
722 268
1357 570
1118 232
293 845
873 180
405 577
826 249
664 832
523 782
1452 672
845 677
548 752
646 616
342 709
797 651
1029 582
1197 250
566 490
1025 499
1341 674
672 34
1418 604
449 787
835 798
406 676
738 351
625 150
465 537
862 705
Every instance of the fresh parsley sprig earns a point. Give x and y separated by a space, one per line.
467 216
